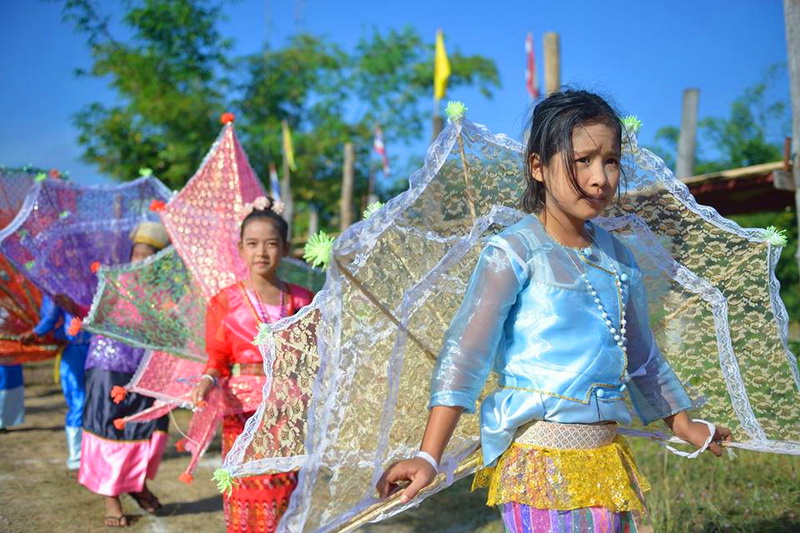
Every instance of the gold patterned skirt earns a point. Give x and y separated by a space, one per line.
564 467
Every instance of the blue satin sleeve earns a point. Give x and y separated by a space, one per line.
476 331
49 314
655 390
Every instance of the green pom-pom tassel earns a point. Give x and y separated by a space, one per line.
318 250
632 124
63 214
41 176
455 111
371 210
775 237
144 172
224 481
30 264
264 331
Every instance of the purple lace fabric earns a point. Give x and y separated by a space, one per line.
62 229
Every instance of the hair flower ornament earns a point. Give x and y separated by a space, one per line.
262 203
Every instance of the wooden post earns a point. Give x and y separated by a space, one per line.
348 175
687 142
552 63
791 13
438 126
286 196
313 220
371 196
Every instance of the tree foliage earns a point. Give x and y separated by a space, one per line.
174 75
330 96
167 79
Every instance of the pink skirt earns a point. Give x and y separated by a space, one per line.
113 467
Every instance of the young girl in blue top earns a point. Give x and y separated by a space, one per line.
557 308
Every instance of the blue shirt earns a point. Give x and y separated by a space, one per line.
53 318
528 315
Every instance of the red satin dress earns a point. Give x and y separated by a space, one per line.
256 503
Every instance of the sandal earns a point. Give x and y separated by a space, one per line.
147 501
116 521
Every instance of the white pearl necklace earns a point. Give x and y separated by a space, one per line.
619 280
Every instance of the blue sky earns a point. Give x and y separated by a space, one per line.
643 54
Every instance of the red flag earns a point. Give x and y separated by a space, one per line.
530 68
381 149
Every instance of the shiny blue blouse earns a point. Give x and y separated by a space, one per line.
529 316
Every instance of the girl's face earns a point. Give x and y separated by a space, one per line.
262 247
141 251
596 159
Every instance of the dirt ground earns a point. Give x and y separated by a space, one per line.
39 495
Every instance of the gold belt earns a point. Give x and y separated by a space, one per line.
566 436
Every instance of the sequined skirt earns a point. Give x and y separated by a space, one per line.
564 467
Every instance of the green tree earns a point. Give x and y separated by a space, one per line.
330 97
167 76
173 73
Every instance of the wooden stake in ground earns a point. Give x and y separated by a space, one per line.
687 142
791 12
348 178
286 185
286 196
552 63
313 220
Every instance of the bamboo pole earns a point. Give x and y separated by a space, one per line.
552 62
791 11
373 512
348 178
383 309
286 195
687 142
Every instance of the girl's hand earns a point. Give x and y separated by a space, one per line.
200 392
696 433
418 471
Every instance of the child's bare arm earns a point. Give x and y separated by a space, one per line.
696 433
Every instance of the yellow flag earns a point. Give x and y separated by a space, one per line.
288 151
441 68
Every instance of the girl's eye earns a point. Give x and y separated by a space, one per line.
584 159
613 161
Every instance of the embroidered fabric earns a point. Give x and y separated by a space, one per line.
398 278
274 436
20 299
565 479
203 218
63 228
566 436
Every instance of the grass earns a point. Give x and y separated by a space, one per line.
755 492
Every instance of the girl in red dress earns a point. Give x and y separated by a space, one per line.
234 315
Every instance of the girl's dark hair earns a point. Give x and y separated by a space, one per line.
267 214
550 133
